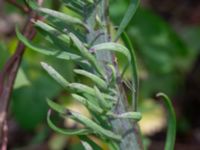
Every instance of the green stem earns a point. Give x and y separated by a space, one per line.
124 127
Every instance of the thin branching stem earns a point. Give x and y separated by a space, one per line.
8 75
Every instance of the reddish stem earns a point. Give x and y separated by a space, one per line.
9 72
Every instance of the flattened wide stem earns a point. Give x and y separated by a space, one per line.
128 129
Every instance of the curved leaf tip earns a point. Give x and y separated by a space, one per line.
171 117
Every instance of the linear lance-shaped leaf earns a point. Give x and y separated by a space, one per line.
171 117
66 131
51 30
58 54
90 142
96 79
127 17
91 106
136 116
85 53
64 17
88 123
55 75
74 87
111 46
135 80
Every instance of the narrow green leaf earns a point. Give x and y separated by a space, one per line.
72 7
171 117
78 5
32 4
111 46
80 2
64 17
102 102
56 107
97 129
75 87
46 51
97 80
62 110
66 131
51 30
90 1
58 38
86 145
88 123
85 53
81 88
128 115
91 106
90 142
91 98
55 75
135 80
127 18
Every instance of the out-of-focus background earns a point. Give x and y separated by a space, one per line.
166 38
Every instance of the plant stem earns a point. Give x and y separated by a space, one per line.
8 76
129 130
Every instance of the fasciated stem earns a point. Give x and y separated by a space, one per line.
126 128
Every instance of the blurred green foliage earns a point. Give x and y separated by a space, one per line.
163 55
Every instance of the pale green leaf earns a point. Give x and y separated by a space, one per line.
64 17
46 51
97 80
85 53
89 104
86 145
128 115
88 123
68 132
89 141
111 46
